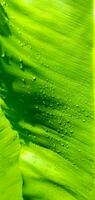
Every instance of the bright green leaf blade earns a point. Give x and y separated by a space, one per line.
10 176
47 83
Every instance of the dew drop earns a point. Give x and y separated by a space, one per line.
71 131
61 128
66 132
29 92
36 106
23 80
21 65
21 44
87 115
34 78
59 122
12 17
58 151
3 3
44 102
3 55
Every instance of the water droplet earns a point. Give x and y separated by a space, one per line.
3 55
23 80
29 135
12 17
21 65
3 3
66 131
71 131
61 128
43 102
91 116
58 151
21 44
34 78
29 92
59 122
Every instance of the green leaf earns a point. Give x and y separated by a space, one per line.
10 177
46 81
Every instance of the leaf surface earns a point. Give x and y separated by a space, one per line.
47 84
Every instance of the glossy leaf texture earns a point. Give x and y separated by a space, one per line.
46 83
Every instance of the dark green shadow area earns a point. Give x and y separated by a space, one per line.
4 27
31 197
